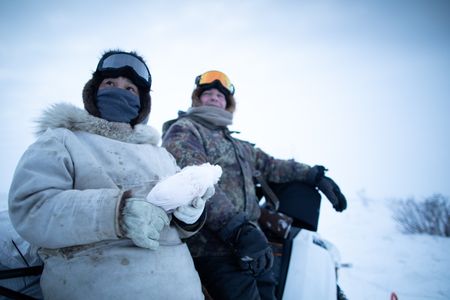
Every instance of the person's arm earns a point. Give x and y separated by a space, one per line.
44 207
279 171
187 230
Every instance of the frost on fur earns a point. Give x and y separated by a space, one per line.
185 186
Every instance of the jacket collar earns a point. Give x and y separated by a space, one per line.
65 115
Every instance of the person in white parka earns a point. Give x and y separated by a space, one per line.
79 193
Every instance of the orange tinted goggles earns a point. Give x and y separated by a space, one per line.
211 76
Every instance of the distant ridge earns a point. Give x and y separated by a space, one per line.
3 201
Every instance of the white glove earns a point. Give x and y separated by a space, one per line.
190 213
183 187
142 222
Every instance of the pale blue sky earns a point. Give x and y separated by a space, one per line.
362 87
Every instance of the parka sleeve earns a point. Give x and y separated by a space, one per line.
279 170
187 230
44 207
185 143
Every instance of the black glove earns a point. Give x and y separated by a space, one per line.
331 190
253 249
316 177
249 244
315 174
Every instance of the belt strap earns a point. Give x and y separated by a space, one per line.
270 196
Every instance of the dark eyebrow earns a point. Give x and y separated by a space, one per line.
129 81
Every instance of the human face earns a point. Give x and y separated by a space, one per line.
121 83
213 97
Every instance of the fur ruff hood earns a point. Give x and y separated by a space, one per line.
65 115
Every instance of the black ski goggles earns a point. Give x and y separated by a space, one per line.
212 76
122 60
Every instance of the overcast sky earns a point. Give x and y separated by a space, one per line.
362 87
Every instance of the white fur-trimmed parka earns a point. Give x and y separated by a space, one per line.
64 199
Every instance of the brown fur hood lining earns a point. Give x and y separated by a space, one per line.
65 115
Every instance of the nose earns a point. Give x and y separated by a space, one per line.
214 98
121 83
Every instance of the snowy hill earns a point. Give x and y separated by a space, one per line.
3 201
382 259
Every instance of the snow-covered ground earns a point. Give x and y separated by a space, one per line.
382 259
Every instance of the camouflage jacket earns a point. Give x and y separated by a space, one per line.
192 143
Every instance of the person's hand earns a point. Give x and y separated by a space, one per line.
315 174
142 222
181 188
249 244
191 212
333 193
253 250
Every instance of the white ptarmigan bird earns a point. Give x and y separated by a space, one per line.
183 187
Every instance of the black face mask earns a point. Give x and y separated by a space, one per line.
117 105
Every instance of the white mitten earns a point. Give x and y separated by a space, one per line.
142 222
182 188
190 213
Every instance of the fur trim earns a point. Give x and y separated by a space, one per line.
89 94
65 115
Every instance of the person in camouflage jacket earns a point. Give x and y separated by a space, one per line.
230 252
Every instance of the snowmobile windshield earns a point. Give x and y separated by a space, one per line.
121 60
212 76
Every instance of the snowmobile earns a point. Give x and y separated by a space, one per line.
306 265
20 266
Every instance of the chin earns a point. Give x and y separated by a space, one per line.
215 105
